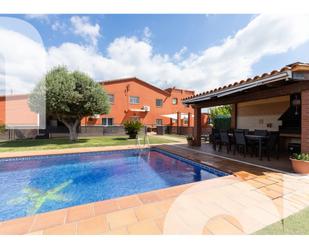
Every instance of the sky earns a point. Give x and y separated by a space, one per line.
196 52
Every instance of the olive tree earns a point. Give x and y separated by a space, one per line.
69 97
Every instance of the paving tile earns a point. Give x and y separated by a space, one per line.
103 207
264 180
256 184
128 202
79 213
121 218
221 226
164 205
160 222
94 225
148 211
270 192
50 219
144 228
148 197
17 226
66 229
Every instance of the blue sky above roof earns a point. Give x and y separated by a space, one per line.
190 51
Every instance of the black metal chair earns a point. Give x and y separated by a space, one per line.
272 145
225 140
240 142
215 138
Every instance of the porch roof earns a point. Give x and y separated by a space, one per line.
293 72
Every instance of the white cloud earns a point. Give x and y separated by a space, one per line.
147 34
129 56
23 61
179 55
83 27
40 17
58 26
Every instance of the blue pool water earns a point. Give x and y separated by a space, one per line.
39 184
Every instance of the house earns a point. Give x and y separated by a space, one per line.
130 98
274 101
135 99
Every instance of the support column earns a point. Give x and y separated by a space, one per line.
305 121
234 116
189 119
197 130
178 122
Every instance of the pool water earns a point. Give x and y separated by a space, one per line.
33 185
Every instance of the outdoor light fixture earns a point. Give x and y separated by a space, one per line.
296 104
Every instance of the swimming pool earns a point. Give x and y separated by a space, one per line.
31 185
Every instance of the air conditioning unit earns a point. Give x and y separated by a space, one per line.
146 108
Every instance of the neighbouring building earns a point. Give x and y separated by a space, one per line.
130 99
135 99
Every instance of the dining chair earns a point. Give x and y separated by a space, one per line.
215 138
272 145
225 140
240 142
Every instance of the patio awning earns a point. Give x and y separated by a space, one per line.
174 116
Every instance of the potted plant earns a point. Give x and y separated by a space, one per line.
190 140
132 128
300 163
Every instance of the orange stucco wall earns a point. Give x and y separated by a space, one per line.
15 111
2 110
121 109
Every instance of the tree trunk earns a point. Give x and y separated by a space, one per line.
73 133
72 126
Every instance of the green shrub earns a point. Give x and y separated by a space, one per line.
132 127
2 128
222 122
301 156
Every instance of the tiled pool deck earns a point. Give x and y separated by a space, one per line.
246 194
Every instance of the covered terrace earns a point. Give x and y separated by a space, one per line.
276 102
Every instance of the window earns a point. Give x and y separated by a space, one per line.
107 121
111 98
174 101
159 122
159 102
134 100
185 121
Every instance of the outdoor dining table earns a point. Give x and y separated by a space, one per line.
252 137
258 138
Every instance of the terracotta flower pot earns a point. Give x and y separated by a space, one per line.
300 166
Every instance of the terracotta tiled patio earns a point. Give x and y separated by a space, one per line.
241 203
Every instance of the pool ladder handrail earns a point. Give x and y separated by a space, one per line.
145 140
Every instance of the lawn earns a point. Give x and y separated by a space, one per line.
296 224
62 143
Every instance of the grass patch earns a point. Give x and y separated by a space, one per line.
296 224
62 143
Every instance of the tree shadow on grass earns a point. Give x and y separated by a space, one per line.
120 139
40 142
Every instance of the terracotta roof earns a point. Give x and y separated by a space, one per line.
109 82
294 67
